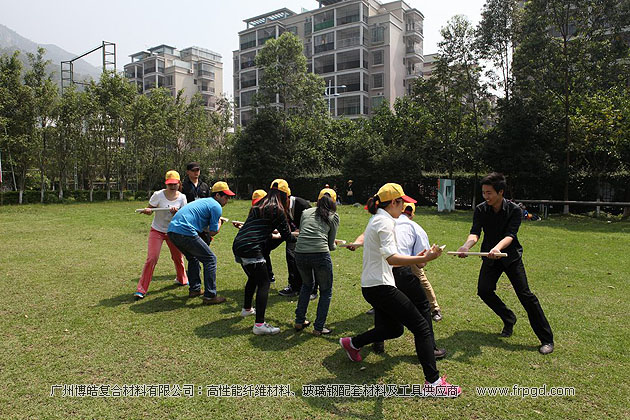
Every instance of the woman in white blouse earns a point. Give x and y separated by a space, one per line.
173 199
393 309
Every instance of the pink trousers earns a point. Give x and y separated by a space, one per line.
155 245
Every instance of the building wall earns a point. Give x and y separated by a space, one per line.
391 16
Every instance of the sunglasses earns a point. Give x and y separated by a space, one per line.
194 170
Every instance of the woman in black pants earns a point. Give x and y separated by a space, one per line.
264 217
393 309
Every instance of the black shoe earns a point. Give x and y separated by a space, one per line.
546 348
378 347
439 353
313 296
370 311
287 292
507 331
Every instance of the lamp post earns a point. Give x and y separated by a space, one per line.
329 95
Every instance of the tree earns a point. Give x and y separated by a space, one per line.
45 96
496 34
16 116
568 49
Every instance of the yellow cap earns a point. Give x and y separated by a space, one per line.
258 195
282 185
391 191
410 206
328 191
222 186
172 177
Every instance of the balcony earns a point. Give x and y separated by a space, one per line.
348 42
324 47
248 44
323 25
413 52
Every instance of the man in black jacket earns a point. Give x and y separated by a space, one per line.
500 219
194 188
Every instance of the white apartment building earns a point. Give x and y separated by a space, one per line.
365 50
430 62
193 69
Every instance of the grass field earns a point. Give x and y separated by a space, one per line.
68 273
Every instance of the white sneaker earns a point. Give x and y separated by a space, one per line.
265 329
247 312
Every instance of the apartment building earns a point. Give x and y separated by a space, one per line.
430 62
365 50
193 69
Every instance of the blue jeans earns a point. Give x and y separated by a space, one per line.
196 251
318 265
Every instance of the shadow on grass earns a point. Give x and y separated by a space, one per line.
462 346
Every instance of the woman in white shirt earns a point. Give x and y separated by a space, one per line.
173 199
393 309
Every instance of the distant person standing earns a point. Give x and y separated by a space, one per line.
194 188
184 230
499 219
349 192
170 198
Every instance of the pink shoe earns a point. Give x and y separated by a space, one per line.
443 389
352 353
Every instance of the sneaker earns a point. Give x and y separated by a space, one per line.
439 353
437 315
324 331
194 293
370 311
247 312
287 292
138 296
272 279
300 327
213 300
546 348
442 389
313 296
507 330
353 354
265 329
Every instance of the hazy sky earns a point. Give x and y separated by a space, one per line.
134 25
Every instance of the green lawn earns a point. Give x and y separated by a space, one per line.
69 271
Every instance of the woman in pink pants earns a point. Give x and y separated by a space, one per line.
173 199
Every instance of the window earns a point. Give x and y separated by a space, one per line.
352 82
248 60
308 49
204 69
349 60
246 117
377 81
149 66
377 101
248 79
378 35
366 13
325 64
246 98
149 82
378 57
324 42
169 81
348 14
348 105
248 40
130 72
324 20
160 66
308 27
348 37
292 29
266 34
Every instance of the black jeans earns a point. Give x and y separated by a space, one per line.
410 285
257 281
269 246
295 279
488 278
393 310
